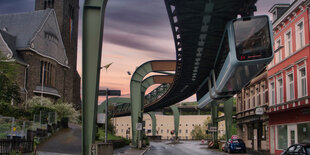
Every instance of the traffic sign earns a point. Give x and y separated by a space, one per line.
139 126
101 118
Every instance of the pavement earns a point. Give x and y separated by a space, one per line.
66 142
186 148
127 150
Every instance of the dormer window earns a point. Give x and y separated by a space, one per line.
51 37
274 15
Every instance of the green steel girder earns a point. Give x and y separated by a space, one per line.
146 83
176 115
214 116
93 18
228 112
153 117
135 90
118 100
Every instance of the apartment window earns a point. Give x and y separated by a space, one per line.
161 131
48 4
278 55
272 93
47 73
122 130
300 37
280 91
274 15
288 43
282 136
249 103
302 90
290 86
180 131
167 130
186 131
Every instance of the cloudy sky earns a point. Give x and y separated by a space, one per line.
135 31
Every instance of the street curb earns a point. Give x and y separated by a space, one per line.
142 153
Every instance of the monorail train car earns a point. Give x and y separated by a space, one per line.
247 44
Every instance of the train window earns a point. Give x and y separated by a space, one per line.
252 38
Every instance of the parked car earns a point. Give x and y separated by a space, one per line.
300 149
235 145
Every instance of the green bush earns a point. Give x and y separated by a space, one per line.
11 111
63 109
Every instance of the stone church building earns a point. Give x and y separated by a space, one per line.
44 45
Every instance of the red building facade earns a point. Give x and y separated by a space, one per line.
289 76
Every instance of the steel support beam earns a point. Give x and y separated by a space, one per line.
135 90
153 117
93 18
176 116
118 100
214 116
228 112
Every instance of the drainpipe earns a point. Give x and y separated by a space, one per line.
25 85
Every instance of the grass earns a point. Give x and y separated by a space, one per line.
110 136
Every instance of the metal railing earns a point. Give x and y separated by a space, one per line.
8 146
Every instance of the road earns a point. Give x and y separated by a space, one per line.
184 148
67 141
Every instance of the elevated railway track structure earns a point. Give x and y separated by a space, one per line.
197 27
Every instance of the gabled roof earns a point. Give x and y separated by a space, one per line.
26 27
7 43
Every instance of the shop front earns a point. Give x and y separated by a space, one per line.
288 128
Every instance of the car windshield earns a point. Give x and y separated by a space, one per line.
308 150
237 141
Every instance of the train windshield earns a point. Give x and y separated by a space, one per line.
252 36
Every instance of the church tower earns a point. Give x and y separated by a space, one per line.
67 12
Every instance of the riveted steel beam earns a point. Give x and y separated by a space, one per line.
93 18
228 112
135 90
153 117
176 116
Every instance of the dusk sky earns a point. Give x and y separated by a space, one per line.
135 31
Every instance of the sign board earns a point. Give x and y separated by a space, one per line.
110 93
259 111
139 126
213 128
101 118
234 137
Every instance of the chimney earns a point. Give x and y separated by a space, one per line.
278 10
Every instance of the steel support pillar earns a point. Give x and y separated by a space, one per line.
214 116
228 111
176 116
135 91
93 18
153 117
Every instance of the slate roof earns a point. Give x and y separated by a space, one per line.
26 26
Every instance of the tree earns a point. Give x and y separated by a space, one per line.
9 90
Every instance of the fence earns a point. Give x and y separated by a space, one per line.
8 146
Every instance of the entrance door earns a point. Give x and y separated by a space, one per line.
259 135
292 134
